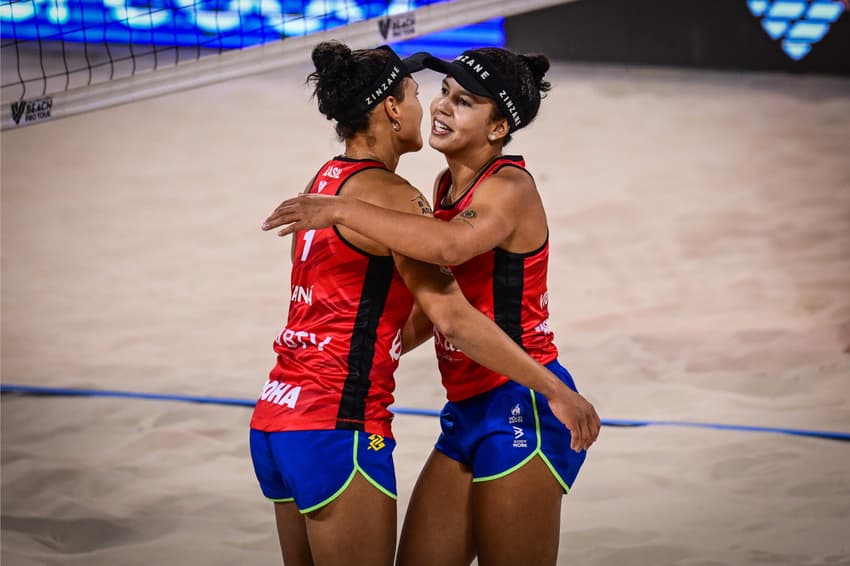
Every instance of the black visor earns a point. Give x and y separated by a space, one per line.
394 72
476 73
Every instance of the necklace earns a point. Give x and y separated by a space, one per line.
452 197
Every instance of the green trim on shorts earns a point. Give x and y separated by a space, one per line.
537 452
345 485
285 500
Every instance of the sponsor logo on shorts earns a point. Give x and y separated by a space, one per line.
280 393
376 442
519 441
516 415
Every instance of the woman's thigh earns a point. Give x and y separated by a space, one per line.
437 526
516 519
358 527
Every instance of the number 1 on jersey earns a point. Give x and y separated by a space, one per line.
308 241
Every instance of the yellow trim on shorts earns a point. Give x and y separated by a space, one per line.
537 452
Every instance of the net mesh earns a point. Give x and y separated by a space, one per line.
63 57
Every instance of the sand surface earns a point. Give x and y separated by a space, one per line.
700 271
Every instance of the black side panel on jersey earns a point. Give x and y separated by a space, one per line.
376 288
508 279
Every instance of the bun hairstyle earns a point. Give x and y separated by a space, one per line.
524 77
340 76
538 64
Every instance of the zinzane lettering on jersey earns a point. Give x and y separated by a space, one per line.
301 339
332 172
280 393
302 295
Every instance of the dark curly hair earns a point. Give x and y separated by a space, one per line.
523 76
340 76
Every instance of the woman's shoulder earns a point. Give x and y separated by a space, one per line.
382 187
513 167
510 176
374 180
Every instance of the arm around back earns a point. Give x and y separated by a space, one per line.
490 219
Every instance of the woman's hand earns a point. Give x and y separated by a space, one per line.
305 212
578 415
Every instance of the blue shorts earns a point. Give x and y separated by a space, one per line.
313 467
497 432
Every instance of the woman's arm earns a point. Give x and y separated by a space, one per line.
417 330
440 298
485 224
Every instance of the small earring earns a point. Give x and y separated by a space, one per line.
491 137
397 126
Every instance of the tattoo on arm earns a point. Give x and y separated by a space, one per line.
467 215
424 208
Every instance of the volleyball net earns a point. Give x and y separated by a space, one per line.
66 57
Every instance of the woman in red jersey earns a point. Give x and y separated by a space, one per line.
493 485
321 440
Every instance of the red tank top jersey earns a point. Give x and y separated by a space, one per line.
342 341
508 287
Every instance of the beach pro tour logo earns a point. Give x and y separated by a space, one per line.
397 27
797 24
29 111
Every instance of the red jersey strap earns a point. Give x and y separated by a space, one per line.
491 168
330 172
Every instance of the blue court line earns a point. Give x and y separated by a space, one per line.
628 423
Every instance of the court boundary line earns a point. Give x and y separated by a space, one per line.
26 390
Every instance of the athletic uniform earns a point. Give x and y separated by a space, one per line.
323 414
492 424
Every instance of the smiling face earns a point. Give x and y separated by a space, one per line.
459 119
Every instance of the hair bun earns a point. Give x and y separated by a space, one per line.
332 58
538 63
